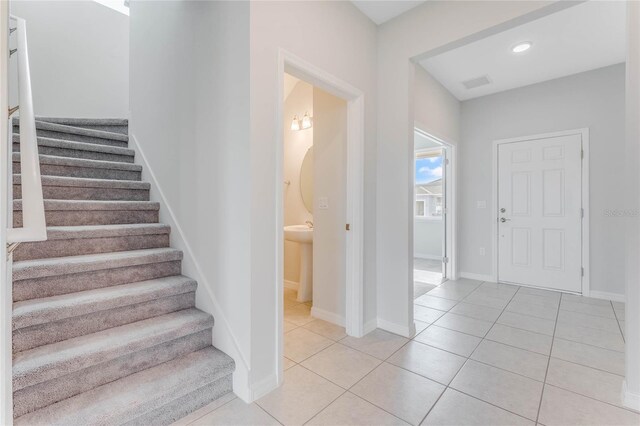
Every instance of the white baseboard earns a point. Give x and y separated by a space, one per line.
479 277
291 284
630 399
427 256
616 297
402 330
331 317
370 325
223 337
264 386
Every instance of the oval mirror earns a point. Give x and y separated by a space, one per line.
306 180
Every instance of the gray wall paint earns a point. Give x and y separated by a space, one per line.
79 58
593 99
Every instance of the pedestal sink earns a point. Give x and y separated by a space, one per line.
303 235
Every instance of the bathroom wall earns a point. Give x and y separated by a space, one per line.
296 145
329 239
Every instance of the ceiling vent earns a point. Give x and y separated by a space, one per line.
477 82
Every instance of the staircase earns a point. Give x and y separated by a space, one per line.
105 329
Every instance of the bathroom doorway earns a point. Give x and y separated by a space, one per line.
431 240
320 190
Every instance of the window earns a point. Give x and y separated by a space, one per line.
428 184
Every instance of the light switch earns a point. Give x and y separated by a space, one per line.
482 204
323 203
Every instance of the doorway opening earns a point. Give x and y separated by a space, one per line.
320 174
432 210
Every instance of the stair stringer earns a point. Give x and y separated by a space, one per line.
223 336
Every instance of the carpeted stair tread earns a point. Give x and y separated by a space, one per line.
140 394
72 121
29 269
88 182
83 162
58 359
80 131
47 309
93 205
80 146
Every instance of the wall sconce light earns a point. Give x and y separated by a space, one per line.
295 123
306 121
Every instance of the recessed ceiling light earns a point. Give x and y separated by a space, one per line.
522 47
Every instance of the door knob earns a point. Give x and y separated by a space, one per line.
504 219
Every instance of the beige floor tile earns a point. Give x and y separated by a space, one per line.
519 361
430 362
302 395
237 413
288 326
591 336
326 329
463 324
585 300
597 384
300 344
590 321
449 293
476 311
522 339
379 343
497 291
201 412
540 292
435 302
533 310
424 314
400 392
584 308
525 322
533 299
351 410
287 363
455 408
564 408
484 300
622 326
298 315
591 356
449 340
420 326
341 365
512 392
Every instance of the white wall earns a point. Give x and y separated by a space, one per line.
189 121
296 145
594 99
427 238
436 110
339 39
433 25
329 239
79 58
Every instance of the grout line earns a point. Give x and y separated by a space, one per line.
209 412
592 398
546 373
618 321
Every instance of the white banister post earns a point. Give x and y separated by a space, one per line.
631 387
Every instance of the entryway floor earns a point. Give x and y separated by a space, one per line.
484 354
427 274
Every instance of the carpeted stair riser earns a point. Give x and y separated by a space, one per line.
55 192
185 405
60 148
78 246
79 171
56 331
42 394
113 125
162 393
34 288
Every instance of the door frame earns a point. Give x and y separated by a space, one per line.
451 270
584 134
354 277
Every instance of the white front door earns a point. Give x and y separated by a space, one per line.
540 212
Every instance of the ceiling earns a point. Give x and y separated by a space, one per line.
380 11
581 38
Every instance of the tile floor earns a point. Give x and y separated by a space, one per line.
485 354
427 274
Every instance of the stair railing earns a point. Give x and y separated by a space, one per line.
33 218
